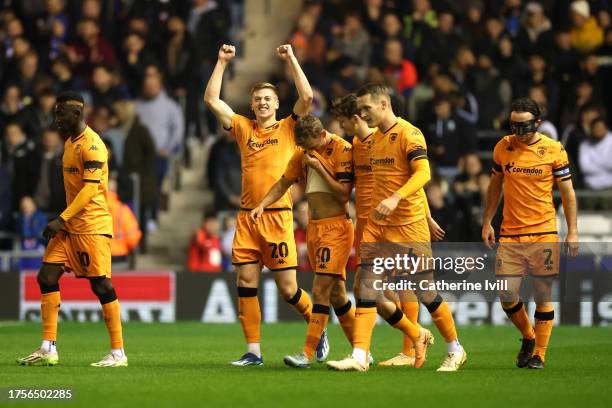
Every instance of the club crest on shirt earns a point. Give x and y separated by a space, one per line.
77 150
329 151
393 136
541 151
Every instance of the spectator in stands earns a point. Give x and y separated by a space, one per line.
469 188
400 73
449 218
539 94
11 106
586 34
48 183
28 77
126 232
18 154
91 49
449 136
53 29
308 45
134 60
163 117
594 156
64 77
6 207
106 90
182 70
137 151
419 25
440 46
32 223
473 28
205 248
539 75
535 35
492 92
225 173
353 41
38 116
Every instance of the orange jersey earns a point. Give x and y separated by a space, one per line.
86 161
390 156
336 157
529 172
364 178
264 154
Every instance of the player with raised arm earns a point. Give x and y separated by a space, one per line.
325 162
79 239
526 165
266 146
346 111
398 218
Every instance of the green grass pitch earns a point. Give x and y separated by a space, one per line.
186 364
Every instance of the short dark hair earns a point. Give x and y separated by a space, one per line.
375 89
70 96
306 127
526 105
346 106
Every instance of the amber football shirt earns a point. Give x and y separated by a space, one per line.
85 160
529 173
264 154
390 156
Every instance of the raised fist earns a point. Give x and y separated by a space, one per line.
226 52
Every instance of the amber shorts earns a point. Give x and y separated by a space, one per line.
85 255
269 242
391 240
537 255
330 241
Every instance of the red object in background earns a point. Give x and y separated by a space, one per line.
302 250
204 253
130 287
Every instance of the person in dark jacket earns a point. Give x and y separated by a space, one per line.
138 156
47 187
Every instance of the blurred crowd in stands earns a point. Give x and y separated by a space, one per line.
453 65
141 67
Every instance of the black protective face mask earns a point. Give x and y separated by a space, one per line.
522 128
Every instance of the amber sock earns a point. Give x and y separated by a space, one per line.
411 311
346 317
249 314
365 320
316 325
49 309
112 318
302 303
401 322
544 316
517 314
443 318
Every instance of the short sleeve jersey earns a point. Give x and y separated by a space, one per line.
529 173
264 154
336 157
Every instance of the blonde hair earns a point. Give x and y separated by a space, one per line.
264 85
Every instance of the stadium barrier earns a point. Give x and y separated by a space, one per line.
167 296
